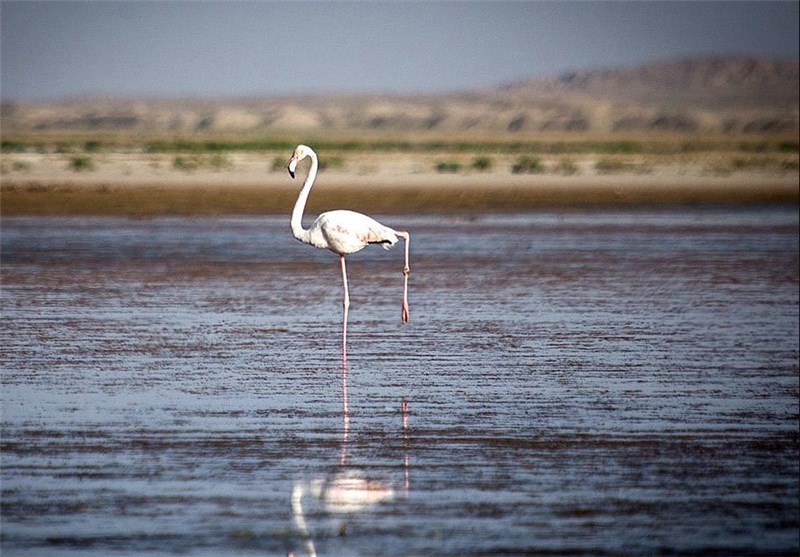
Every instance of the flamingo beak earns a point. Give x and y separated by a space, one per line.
292 165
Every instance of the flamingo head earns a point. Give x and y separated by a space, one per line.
300 152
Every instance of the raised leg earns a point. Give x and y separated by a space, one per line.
406 270
346 306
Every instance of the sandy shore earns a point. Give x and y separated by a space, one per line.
248 183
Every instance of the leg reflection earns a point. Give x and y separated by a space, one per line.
300 520
404 411
345 418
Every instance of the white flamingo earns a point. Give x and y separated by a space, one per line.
343 232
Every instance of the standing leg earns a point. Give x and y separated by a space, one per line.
345 407
346 306
406 271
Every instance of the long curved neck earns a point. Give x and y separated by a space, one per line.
300 205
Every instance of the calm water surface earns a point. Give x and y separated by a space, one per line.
577 383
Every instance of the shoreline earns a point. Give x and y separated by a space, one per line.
137 184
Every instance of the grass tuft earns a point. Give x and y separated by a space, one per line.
81 163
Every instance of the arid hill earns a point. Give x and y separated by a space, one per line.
709 94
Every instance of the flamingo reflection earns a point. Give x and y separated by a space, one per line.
348 490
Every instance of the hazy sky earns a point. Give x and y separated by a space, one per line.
68 48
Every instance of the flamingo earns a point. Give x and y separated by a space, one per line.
343 232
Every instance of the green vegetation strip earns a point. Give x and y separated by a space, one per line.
554 147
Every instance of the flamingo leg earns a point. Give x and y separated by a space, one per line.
345 306
345 406
406 270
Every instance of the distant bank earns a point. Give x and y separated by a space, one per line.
376 195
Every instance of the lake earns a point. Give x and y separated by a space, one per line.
598 382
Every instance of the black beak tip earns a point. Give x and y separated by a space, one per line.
291 174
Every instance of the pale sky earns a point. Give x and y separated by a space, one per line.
61 49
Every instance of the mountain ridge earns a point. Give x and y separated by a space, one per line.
711 93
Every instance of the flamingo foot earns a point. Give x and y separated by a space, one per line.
404 313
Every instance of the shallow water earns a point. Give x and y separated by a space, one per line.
578 383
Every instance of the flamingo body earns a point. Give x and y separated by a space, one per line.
345 232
